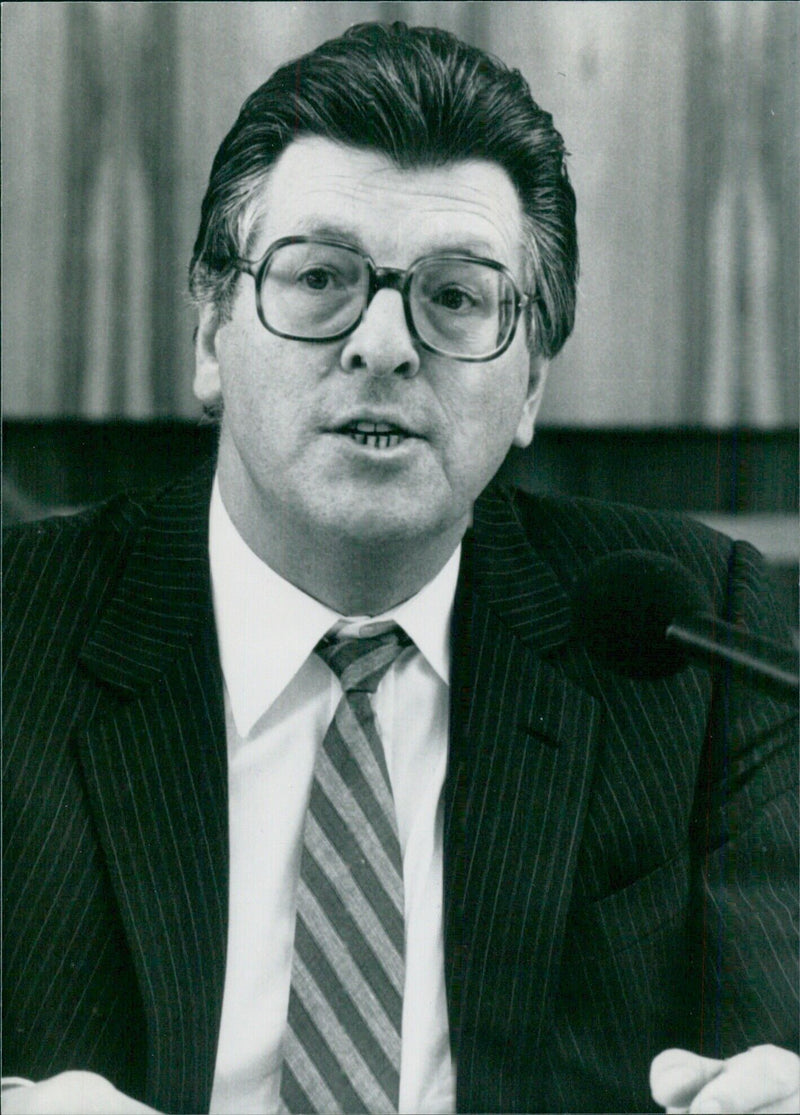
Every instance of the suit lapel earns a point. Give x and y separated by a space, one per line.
155 767
521 751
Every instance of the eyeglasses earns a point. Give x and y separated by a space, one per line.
310 289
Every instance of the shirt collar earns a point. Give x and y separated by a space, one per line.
267 627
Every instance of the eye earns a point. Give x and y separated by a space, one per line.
318 278
453 298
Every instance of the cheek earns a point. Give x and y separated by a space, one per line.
267 388
512 393
496 403
483 424
247 368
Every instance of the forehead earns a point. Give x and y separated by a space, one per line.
394 214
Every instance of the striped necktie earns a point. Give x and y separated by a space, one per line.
342 1045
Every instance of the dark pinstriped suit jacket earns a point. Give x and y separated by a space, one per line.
619 855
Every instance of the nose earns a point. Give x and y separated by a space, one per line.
381 343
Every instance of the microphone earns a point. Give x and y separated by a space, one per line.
645 615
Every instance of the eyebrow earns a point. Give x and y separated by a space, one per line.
477 247
313 227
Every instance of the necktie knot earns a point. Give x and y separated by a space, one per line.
360 663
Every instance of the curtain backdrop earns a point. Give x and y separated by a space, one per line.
681 120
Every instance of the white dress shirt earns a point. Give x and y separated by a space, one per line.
279 700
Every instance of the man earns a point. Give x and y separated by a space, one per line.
316 802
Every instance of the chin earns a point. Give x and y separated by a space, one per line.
381 530
383 525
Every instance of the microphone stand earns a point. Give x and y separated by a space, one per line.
768 665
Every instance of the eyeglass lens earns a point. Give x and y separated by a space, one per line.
313 291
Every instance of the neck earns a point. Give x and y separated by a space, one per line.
349 575
375 580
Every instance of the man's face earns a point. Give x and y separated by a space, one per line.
287 467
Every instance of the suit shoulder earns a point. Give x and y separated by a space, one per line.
35 552
573 532
32 546
56 572
604 525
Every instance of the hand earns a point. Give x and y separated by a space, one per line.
71 1093
765 1079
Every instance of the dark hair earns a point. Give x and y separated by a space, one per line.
423 98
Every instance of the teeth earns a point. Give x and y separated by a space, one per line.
376 440
376 435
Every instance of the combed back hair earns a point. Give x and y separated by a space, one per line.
423 98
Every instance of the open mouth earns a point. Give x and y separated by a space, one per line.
375 435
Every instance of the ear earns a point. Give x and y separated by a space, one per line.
207 385
533 400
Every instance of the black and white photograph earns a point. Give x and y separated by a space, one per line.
400 557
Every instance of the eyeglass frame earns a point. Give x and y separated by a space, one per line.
380 278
